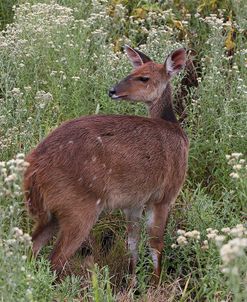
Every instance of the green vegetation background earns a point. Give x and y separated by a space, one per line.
52 71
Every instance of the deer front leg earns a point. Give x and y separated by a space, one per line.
157 215
133 228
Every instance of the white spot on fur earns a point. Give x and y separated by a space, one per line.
98 201
70 142
95 177
99 139
90 186
80 179
94 159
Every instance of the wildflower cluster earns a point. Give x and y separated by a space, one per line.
231 242
43 98
185 236
18 238
232 249
235 247
10 175
31 24
211 234
58 63
216 21
238 165
14 251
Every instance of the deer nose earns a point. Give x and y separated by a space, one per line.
112 91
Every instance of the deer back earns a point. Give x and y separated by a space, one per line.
121 160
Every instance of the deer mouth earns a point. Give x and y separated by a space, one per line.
118 97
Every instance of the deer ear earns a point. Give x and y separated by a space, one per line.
144 57
175 62
136 57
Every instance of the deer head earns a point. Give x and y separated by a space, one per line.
148 80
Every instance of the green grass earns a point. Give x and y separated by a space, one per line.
57 64
6 12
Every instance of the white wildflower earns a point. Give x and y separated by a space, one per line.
234 175
181 232
17 232
237 167
75 78
11 178
9 254
211 235
214 231
27 88
205 245
238 231
226 230
43 96
233 249
219 239
181 240
225 270
16 92
10 241
27 238
237 155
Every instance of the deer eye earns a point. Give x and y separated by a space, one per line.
143 79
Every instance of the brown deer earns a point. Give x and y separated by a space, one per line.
111 161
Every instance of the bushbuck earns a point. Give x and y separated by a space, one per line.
123 162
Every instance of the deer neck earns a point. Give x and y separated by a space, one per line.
163 106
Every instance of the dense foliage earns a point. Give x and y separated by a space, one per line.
57 61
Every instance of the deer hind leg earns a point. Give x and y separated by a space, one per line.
44 230
133 228
75 224
157 218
